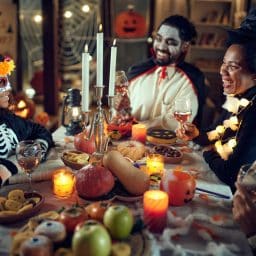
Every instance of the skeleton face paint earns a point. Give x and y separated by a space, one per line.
167 45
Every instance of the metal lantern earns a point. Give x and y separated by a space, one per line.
72 117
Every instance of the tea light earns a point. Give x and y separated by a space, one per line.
155 163
139 132
63 182
155 206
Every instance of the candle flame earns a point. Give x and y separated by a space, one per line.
86 47
114 42
100 28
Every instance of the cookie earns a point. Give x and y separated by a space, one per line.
12 205
17 195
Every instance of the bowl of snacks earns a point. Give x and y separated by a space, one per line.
171 154
75 159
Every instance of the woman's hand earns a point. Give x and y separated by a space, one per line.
244 210
187 132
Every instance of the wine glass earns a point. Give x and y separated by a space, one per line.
247 177
182 110
28 155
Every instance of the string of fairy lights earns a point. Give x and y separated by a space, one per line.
235 106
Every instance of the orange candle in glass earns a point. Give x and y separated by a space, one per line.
155 206
139 132
155 164
63 182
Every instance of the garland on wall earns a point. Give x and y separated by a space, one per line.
226 147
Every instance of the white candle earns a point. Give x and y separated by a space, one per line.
85 79
112 72
99 78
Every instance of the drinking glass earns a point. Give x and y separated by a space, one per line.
28 155
247 177
182 110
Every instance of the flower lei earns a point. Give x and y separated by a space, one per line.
235 106
6 66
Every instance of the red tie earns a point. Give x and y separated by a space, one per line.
163 73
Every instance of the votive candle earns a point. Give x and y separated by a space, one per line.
155 163
63 182
155 207
139 132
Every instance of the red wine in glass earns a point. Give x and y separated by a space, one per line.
182 117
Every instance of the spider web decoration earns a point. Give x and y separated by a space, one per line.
76 31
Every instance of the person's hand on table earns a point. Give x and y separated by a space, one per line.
244 210
187 132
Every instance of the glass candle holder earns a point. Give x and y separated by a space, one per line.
63 182
155 207
139 132
155 164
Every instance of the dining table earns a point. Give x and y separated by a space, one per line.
203 226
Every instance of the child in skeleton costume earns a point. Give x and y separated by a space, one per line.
157 82
13 128
231 140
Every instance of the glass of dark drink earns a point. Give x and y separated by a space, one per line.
28 155
182 110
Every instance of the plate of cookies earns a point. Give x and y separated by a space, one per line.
19 205
171 154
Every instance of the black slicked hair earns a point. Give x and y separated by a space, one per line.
187 31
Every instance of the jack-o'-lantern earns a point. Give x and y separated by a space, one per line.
130 24
180 187
42 118
23 106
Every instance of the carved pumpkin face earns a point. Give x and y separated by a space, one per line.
23 107
180 187
130 24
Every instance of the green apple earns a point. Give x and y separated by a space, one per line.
92 239
118 219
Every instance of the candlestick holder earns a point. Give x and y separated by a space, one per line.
99 120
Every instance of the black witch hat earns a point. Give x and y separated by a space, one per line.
246 32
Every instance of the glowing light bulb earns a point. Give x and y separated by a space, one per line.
68 14
86 8
244 102
233 120
232 143
38 18
220 129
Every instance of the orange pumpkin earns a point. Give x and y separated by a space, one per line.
180 187
23 106
42 118
130 24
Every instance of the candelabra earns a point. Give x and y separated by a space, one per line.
99 119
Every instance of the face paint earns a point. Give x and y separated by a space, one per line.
167 45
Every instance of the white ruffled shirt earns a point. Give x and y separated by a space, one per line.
152 98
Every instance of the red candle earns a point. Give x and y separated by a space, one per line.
155 206
139 132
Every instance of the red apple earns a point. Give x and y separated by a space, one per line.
83 143
70 217
91 239
118 219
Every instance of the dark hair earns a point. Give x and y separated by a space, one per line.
186 29
1 58
250 55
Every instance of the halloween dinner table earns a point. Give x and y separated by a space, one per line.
203 226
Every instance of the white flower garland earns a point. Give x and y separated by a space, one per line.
232 104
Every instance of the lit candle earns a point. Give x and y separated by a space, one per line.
63 182
99 78
155 206
139 132
155 163
85 79
112 72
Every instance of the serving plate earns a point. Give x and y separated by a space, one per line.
171 154
27 213
73 164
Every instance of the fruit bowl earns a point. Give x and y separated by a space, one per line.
171 154
75 159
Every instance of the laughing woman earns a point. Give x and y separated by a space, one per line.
231 141
13 128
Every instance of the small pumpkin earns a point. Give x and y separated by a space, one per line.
42 118
23 106
130 24
180 187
